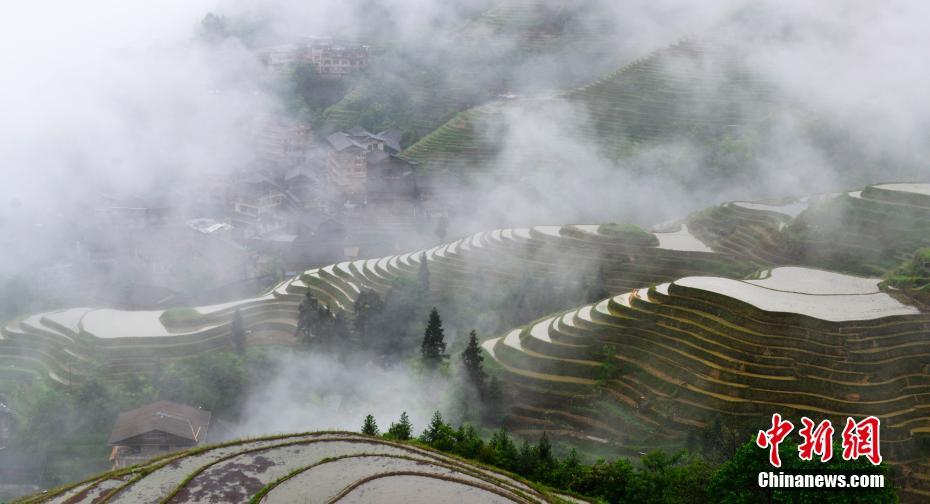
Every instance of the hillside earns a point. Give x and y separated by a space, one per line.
314 467
63 344
692 88
732 240
491 54
694 323
656 366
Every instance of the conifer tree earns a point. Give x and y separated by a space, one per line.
434 429
439 434
433 348
402 430
370 427
472 359
238 333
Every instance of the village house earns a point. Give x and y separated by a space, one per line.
357 156
155 429
330 57
333 58
257 205
282 142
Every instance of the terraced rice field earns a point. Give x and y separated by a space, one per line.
794 341
317 467
687 87
62 344
732 240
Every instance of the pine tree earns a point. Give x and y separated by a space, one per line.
433 349
505 451
370 427
434 429
423 274
402 430
238 333
526 462
472 359
439 434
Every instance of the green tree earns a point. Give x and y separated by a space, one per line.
402 430
238 332
215 381
527 461
472 359
736 480
504 450
468 443
317 325
370 427
439 434
433 348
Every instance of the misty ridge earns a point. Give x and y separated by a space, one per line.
162 117
137 141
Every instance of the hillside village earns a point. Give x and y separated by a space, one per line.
375 277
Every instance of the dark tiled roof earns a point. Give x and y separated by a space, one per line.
391 138
176 419
358 131
341 141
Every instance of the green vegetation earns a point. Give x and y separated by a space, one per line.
472 359
857 234
736 480
307 94
912 276
433 348
629 233
402 430
179 317
71 424
657 476
370 427
318 326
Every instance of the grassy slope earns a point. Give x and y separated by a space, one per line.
419 96
646 100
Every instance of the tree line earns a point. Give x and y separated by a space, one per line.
657 476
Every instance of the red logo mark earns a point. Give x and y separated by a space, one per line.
817 440
861 439
773 437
